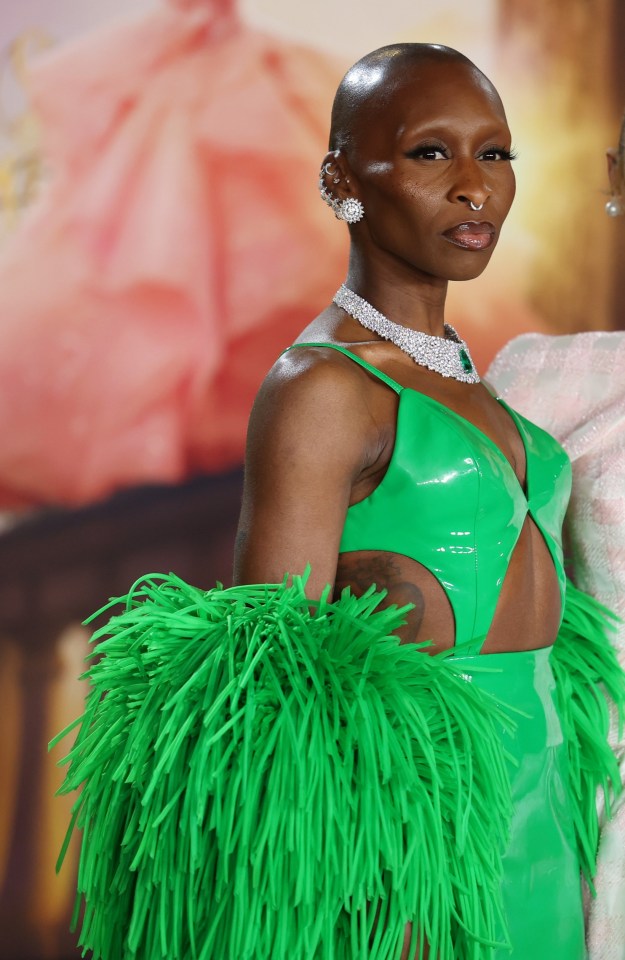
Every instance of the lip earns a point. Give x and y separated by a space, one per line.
471 235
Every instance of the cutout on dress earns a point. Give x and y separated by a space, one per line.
406 581
528 610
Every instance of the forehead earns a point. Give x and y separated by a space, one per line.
449 94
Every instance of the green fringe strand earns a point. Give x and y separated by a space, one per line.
589 679
269 778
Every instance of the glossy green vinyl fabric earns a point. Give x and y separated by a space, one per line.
542 883
451 501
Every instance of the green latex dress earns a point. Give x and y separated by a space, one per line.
268 777
458 508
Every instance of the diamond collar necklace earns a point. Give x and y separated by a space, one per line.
448 355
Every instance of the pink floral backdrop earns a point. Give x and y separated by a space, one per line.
161 241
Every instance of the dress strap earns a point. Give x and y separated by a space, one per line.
397 387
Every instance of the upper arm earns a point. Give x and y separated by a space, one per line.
307 442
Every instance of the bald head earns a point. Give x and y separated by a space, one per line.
370 83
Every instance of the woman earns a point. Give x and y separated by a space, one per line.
349 795
535 374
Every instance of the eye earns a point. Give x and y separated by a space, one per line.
497 153
429 151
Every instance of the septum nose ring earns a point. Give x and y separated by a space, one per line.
475 206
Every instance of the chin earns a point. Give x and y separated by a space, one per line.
459 277
470 271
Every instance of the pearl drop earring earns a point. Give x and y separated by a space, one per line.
614 207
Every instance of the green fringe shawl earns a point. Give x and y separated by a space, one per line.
588 678
265 777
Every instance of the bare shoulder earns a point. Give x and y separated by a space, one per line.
309 437
313 391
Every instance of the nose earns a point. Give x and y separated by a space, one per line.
470 185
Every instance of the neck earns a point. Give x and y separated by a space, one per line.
448 356
415 301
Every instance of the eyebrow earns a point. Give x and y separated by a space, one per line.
438 128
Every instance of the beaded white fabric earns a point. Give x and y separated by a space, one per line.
574 387
448 356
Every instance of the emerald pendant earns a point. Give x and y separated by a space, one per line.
465 360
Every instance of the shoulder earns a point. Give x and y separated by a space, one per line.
529 347
563 383
313 386
533 355
315 419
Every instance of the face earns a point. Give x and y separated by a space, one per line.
439 141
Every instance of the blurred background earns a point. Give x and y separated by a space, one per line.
161 241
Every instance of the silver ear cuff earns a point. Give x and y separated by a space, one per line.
351 209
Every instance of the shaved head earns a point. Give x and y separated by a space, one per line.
370 83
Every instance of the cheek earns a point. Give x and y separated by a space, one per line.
375 170
507 191
406 214
402 199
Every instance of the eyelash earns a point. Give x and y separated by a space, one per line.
501 153
419 153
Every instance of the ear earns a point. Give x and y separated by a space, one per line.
335 175
614 173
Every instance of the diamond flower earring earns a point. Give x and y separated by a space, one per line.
351 209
